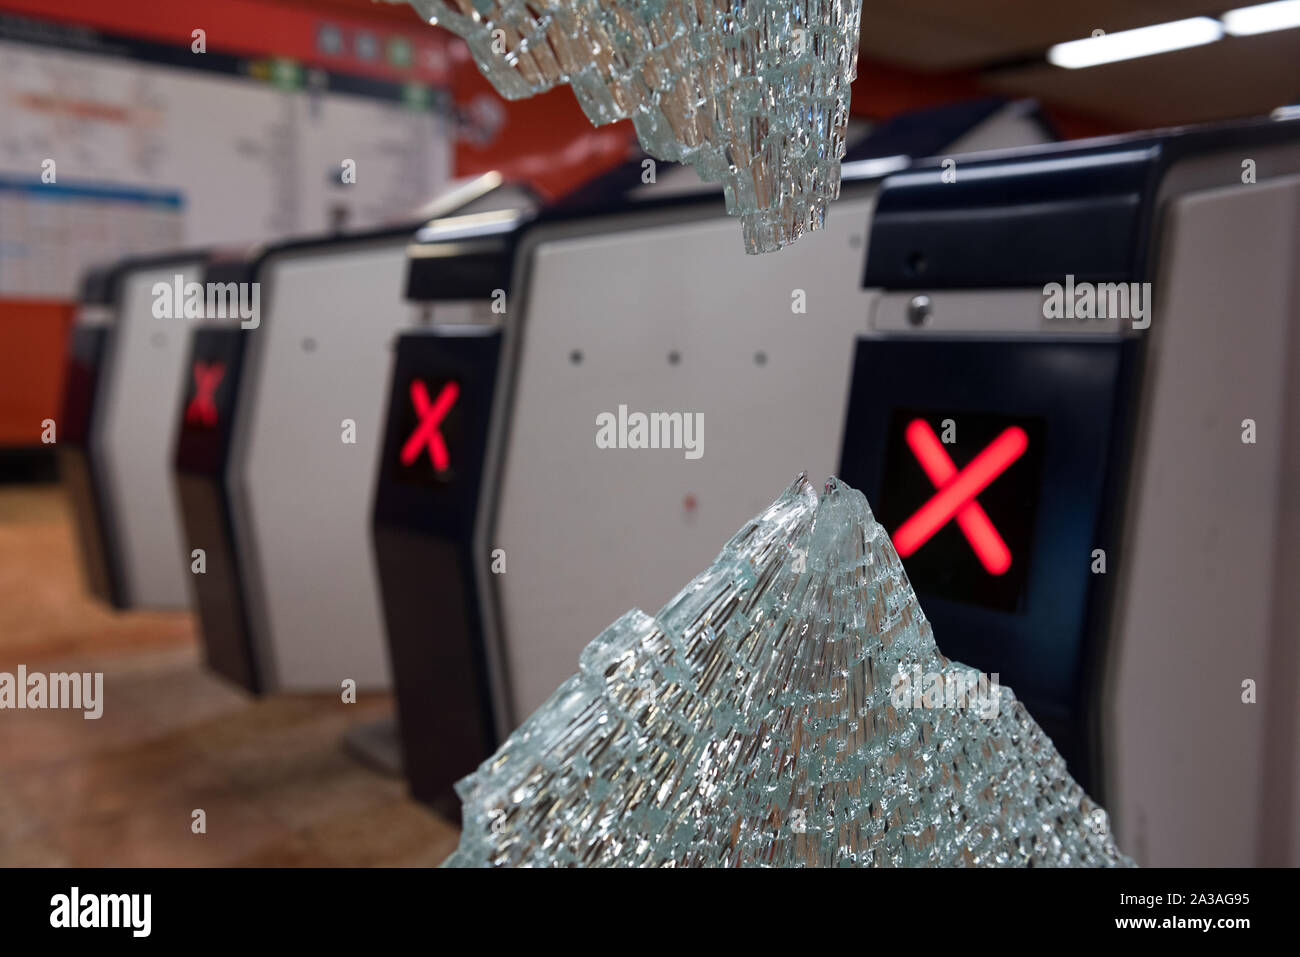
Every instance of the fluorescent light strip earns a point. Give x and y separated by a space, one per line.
1264 18
1130 44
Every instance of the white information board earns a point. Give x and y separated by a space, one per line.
140 157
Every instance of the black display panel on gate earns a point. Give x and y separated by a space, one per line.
211 386
958 498
201 458
79 467
1045 426
425 519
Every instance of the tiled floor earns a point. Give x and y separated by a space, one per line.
271 776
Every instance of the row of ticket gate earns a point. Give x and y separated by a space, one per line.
391 474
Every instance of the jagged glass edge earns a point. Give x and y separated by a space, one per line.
779 170
639 673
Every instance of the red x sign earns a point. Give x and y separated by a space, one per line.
202 409
427 433
956 494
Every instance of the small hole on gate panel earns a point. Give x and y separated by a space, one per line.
575 357
674 358
760 358
308 344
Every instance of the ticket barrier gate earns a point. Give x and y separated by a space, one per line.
126 374
294 605
506 537
1075 411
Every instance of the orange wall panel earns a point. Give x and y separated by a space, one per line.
33 355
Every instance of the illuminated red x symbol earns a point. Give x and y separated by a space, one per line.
956 494
427 432
202 409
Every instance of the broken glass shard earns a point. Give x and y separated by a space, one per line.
769 716
754 95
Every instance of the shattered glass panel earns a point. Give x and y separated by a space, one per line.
762 719
754 95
